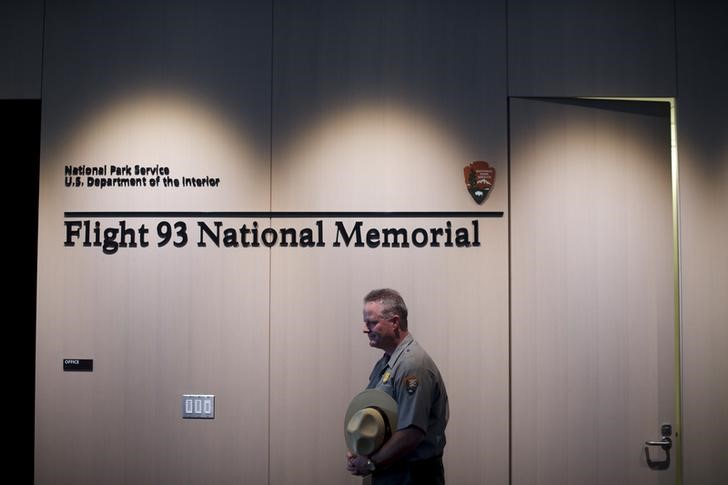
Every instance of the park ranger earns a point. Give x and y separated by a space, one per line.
413 454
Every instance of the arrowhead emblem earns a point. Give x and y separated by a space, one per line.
479 180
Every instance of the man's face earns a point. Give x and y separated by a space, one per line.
381 332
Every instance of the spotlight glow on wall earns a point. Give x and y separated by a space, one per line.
161 131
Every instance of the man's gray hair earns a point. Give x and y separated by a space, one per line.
392 304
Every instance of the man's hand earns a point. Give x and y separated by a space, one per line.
402 443
357 465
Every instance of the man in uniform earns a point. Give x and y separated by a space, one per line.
413 455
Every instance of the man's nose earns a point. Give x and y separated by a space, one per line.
365 328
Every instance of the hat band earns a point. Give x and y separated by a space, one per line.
385 418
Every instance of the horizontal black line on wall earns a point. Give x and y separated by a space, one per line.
285 215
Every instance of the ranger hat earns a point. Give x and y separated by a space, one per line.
370 421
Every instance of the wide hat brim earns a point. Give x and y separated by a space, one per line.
371 398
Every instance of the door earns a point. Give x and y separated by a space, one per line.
592 292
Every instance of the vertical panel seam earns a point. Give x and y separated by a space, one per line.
270 250
508 171
37 181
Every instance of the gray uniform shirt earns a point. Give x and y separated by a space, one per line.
413 380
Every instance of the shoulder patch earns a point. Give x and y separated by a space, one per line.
412 384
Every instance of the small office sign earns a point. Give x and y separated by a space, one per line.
78 365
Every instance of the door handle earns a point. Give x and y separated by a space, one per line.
665 443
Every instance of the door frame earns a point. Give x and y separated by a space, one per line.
677 460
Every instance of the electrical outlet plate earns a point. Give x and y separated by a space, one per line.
198 406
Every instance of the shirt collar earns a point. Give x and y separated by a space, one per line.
406 342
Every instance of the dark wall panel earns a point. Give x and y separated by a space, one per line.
20 121
703 151
595 48
21 43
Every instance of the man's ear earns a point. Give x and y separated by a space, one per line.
395 322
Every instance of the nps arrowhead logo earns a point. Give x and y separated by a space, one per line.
479 180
